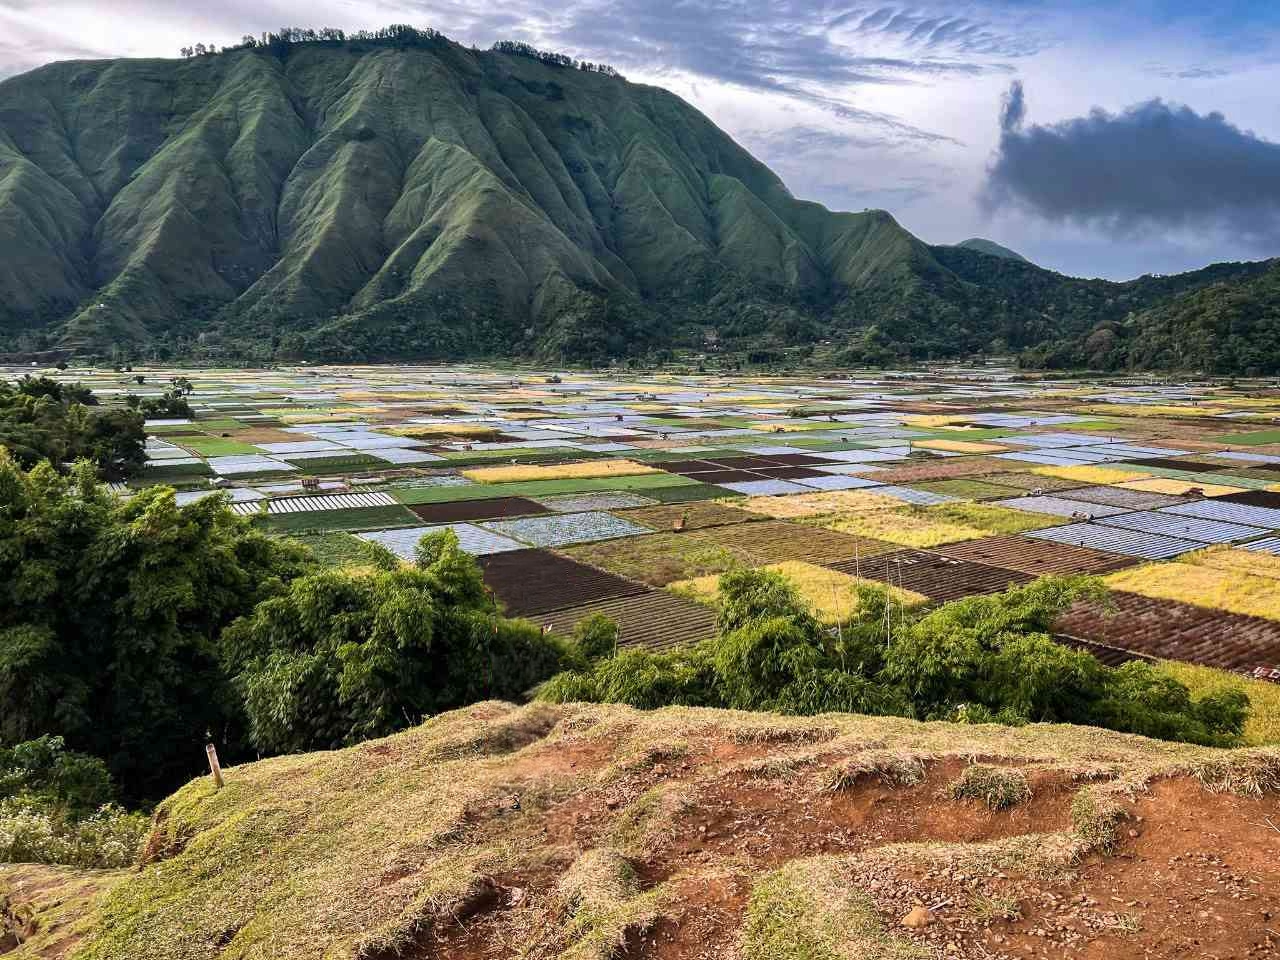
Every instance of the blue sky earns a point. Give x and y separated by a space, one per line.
1145 138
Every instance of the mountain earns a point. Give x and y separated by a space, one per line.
991 248
1229 326
399 196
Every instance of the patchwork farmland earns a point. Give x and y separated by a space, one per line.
629 495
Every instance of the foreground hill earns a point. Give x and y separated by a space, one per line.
595 832
403 196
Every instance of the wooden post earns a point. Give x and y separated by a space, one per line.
214 767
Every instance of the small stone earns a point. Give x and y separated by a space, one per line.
918 917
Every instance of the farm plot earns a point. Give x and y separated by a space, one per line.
1060 507
968 489
654 620
1205 586
584 502
561 530
1183 526
1119 497
660 558
358 518
531 582
1129 543
588 470
938 577
773 541
1230 512
913 526
338 501
1036 557
692 516
489 509
830 593
472 539
1175 631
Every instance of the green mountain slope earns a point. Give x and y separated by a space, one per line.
407 197
991 248
1230 326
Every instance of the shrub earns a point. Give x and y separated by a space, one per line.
344 655
107 838
982 659
998 787
45 771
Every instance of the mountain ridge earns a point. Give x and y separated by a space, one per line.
407 197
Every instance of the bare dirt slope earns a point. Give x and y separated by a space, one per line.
603 832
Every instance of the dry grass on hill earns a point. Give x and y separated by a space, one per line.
588 832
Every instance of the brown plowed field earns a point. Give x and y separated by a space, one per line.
529 582
938 577
1036 557
947 469
656 620
1176 631
458 510
1254 498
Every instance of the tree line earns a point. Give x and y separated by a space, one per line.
279 41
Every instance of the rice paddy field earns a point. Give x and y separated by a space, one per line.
632 493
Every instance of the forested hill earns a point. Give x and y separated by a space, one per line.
1230 326
399 195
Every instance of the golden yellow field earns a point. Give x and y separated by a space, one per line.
816 504
773 426
565 471
921 527
1091 475
443 430
1236 561
1203 586
1176 488
829 592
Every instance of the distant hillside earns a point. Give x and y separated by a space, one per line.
400 196
1228 326
991 248
594 832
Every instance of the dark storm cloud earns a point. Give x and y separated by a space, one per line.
1154 166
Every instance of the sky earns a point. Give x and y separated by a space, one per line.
1096 138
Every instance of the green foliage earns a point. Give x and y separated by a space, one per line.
43 771
981 659
1232 326
596 636
169 404
42 420
345 655
109 614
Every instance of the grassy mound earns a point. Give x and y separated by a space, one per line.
587 831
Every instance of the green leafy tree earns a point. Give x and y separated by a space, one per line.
110 610
44 420
981 659
44 772
344 655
